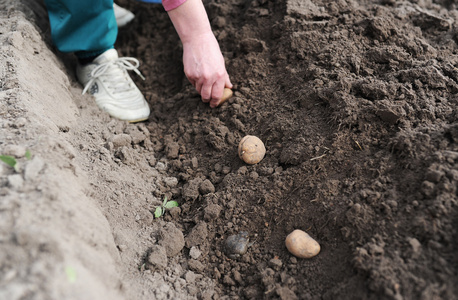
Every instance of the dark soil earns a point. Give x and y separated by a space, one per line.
356 102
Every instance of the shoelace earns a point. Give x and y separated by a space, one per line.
116 81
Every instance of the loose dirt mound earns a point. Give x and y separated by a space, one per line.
356 102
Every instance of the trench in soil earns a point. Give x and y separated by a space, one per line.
338 162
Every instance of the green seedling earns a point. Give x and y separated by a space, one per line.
160 210
28 155
9 160
71 274
142 267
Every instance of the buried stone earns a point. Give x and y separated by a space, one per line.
236 245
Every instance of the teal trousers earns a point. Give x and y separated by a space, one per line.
85 27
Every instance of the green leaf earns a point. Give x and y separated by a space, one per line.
28 155
158 212
165 201
171 204
71 274
9 160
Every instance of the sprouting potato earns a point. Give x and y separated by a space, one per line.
251 149
302 245
226 95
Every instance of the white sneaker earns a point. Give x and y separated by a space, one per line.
106 78
123 16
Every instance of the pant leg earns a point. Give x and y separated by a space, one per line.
86 27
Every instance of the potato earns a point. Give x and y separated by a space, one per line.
302 245
251 149
226 95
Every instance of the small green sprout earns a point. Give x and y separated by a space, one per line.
142 267
28 155
9 160
71 274
160 210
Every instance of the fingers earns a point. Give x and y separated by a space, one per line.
228 83
193 82
202 89
211 90
206 91
217 93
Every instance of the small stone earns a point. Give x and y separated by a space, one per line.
212 212
161 166
171 181
194 252
194 163
416 246
206 187
237 245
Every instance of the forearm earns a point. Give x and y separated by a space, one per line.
203 61
190 20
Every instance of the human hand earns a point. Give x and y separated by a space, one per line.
205 68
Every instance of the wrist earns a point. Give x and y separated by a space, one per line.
205 39
190 20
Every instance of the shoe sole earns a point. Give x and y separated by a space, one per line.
138 120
